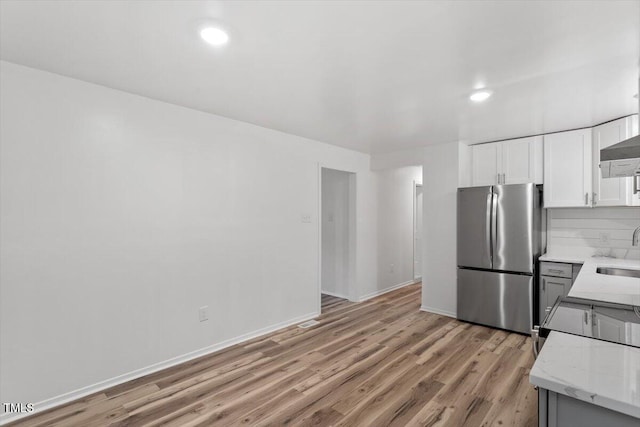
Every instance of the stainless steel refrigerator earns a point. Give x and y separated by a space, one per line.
499 242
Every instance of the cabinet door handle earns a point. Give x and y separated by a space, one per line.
556 271
593 199
586 318
586 199
544 285
635 184
504 178
556 283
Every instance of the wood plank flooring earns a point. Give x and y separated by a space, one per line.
377 363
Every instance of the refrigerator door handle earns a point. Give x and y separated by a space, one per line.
494 227
488 228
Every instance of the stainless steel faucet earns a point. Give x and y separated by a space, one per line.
636 234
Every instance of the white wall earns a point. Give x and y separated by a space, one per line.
464 165
397 159
597 231
121 216
440 183
395 224
336 227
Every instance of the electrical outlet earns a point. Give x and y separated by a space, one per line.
604 237
306 218
203 313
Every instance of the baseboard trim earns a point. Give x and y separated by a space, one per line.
389 289
102 385
438 311
334 294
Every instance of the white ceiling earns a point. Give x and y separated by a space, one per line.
371 76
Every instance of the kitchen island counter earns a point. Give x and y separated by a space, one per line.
597 372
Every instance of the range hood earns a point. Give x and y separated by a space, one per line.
621 159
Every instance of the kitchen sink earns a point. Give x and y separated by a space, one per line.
611 271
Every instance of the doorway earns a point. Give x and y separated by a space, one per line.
337 236
417 232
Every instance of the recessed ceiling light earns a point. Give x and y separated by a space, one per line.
479 96
214 36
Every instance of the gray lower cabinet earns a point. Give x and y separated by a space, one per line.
555 281
558 410
550 289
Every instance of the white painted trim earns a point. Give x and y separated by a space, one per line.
333 294
319 213
353 232
416 184
386 290
438 311
120 379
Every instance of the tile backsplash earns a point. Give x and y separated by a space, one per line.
595 231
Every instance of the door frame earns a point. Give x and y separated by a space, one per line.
416 184
353 224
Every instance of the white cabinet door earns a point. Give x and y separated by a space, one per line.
610 191
521 160
567 169
484 165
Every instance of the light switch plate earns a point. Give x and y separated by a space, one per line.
203 313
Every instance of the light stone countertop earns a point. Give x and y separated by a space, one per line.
601 287
571 259
598 372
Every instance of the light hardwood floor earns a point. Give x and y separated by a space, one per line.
378 363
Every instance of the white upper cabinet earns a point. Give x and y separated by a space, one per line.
484 164
516 161
568 169
568 163
522 160
612 191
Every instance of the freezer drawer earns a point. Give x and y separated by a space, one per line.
495 299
